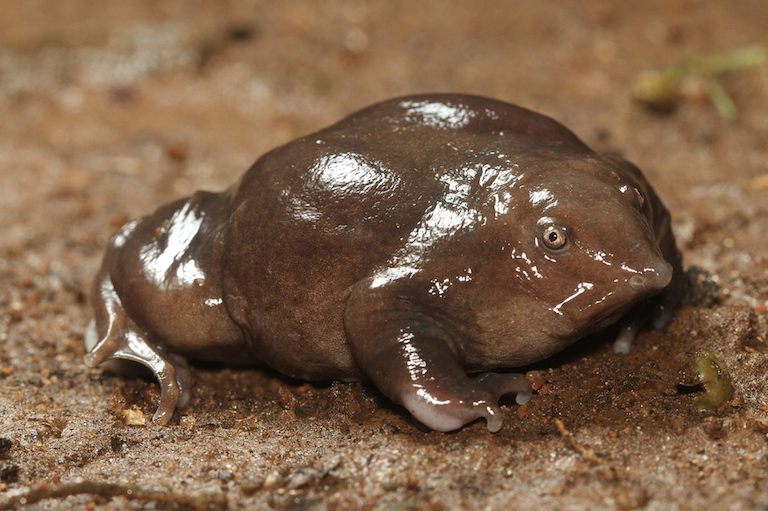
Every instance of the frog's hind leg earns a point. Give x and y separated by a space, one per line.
121 338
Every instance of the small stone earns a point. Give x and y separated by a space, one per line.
188 422
5 448
302 477
251 486
715 428
241 33
273 479
134 417
628 498
536 379
761 425
9 472
178 151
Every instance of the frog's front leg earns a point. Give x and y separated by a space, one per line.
413 360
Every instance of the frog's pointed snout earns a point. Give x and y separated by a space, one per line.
653 278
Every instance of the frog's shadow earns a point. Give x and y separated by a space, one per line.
206 373
585 347
590 346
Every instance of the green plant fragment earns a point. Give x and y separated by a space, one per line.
660 90
718 388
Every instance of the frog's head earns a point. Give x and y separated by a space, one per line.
587 251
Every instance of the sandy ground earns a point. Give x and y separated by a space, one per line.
110 109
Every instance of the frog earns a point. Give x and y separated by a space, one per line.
432 244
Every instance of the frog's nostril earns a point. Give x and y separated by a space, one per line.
637 282
654 278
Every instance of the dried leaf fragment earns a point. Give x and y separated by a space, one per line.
134 417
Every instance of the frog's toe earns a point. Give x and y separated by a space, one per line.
662 316
629 326
478 400
172 373
450 415
499 385
184 379
170 395
623 342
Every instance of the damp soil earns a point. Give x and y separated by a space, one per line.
111 109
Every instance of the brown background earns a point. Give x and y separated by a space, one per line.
109 109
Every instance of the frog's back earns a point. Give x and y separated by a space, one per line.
403 143
315 216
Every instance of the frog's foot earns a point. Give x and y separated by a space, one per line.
122 338
172 373
478 398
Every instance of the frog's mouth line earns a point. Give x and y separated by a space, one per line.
600 321
609 319
591 323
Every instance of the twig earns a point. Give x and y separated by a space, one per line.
587 452
44 491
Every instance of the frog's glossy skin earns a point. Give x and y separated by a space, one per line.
403 244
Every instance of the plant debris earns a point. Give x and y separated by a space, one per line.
716 381
663 90
134 417
587 452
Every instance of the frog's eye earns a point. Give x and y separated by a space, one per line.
633 194
640 198
554 237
